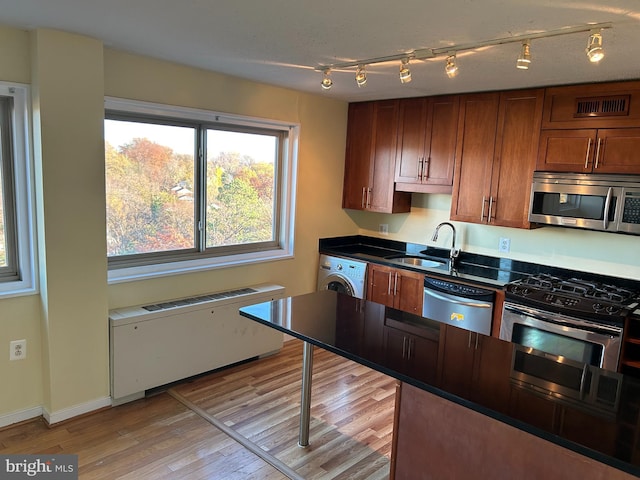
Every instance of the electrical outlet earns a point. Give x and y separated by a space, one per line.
384 229
504 245
17 350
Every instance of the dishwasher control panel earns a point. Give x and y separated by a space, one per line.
457 289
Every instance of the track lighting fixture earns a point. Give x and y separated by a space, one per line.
405 73
524 60
326 83
451 68
361 76
594 50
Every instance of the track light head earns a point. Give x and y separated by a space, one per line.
326 83
405 73
361 76
594 50
451 68
524 60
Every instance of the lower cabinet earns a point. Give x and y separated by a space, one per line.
416 355
395 287
467 367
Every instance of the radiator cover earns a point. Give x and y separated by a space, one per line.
153 345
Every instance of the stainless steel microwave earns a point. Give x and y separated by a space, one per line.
609 203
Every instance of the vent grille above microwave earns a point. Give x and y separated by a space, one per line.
602 106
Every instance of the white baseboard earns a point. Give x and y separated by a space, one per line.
67 413
21 416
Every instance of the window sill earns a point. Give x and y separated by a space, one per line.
132 274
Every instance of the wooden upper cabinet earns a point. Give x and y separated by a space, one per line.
591 129
599 105
370 159
609 150
427 134
496 156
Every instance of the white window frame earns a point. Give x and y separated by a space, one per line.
288 192
23 173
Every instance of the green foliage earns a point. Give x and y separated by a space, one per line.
151 206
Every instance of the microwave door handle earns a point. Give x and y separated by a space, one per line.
607 206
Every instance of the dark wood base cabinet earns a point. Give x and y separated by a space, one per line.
435 439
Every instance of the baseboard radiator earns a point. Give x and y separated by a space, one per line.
153 345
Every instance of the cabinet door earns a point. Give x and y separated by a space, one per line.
358 155
442 133
617 151
423 356
409 292
517 135
412 132
491 373
427 144
382 195
566 150
380 287
474 155
456 359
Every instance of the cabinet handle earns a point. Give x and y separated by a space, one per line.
469 342
410 344
484 200
395 285
477 336
362 200
404 346
490 208
420 162
389 286
586 158
597 153
425 170
368 198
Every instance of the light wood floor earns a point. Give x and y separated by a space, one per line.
160 437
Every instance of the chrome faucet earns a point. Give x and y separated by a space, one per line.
454 252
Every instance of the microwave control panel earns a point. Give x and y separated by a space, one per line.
631 208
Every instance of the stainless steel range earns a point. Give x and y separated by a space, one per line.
569 318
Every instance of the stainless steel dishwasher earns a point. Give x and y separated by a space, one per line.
459 305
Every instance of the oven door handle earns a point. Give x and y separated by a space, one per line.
558 323
455 300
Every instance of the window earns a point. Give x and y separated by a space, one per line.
189 189
17 252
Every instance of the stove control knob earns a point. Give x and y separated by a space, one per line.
612 309
598 306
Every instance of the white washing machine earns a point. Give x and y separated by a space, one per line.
343 275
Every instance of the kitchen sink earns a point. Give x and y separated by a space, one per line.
418 261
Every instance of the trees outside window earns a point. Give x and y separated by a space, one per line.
181 189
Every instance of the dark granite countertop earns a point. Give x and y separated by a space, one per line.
470 369
472 268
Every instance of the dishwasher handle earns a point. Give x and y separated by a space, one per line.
456 300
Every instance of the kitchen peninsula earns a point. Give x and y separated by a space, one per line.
461 414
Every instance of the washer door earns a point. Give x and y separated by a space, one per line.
337 283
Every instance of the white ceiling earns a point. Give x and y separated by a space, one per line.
281 41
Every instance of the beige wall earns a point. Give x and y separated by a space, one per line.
66 325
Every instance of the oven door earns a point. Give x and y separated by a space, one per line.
564 337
